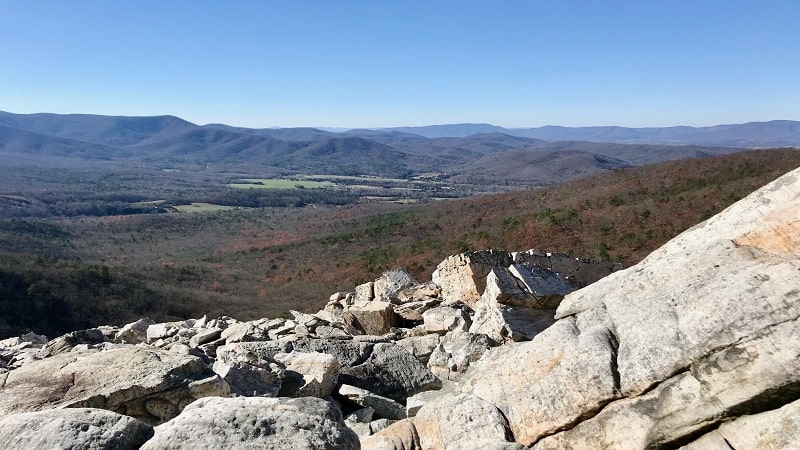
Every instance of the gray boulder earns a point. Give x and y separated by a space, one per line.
420 347
256 422
72 428
248 380
456 352
455 421
380 367
391 282
67 342
445 319
381 406
134 332
149 384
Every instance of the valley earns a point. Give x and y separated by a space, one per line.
106 243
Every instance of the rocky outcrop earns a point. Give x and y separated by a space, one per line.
701 331
696 346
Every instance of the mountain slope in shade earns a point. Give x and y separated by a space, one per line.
105 130
14 141
752 134
543 167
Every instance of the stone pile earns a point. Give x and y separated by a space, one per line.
698 345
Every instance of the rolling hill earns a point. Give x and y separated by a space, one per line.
465 150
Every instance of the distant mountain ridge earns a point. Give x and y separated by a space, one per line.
751 134
467 151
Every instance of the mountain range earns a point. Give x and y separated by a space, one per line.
464 151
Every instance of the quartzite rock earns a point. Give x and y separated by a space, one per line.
444 319
391 282
463 277
383 368
308 374
456 352
504 322
248 380
134 332
544 385
72 428
738 379
149 384
375 317
381 406
716 284
256 422
453 422
771 430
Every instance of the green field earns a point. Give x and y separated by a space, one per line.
277 183
203 207
353 178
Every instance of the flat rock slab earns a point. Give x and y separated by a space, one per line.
149 384
73 428
256 422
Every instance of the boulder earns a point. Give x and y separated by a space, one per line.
381 406
420 347
164 330
205 336
774 430
254 330
374 318
545 287
456 352
716 284
701 331
391 282
738 379
149 384
401 435
359 421
445 319
248 380
578 272
418 293
134 332
365 292
73 428
462 277
564 374
308 374
383 368
413 310
507 322
455 421
256 422
16 351
67 342
417 401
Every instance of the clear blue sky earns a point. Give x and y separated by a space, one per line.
395 63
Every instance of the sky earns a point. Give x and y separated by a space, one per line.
383 63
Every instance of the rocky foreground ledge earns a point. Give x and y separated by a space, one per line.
696 346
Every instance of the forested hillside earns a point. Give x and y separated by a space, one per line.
63 273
